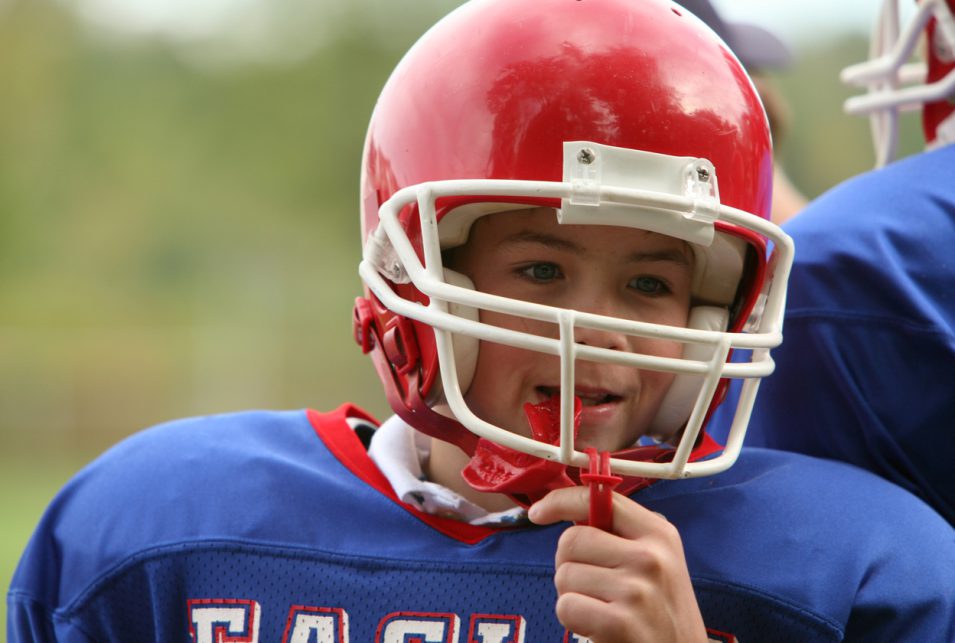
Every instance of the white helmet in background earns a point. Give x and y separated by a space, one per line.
896 84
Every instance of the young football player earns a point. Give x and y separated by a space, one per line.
866 374
565 225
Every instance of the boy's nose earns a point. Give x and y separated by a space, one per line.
596 302
600 338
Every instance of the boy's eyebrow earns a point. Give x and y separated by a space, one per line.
549 240
661 255
559 243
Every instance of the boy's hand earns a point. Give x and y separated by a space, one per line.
627 586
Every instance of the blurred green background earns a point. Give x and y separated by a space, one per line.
178 214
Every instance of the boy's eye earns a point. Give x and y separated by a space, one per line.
649 285
542 271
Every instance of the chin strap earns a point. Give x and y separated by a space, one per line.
526 478
602 483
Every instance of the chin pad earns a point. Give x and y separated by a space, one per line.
679 400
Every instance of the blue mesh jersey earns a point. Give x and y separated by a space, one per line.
276 526
866 373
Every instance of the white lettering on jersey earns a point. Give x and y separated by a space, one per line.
225 620
400 627
329 624
570 637
496 628
234 620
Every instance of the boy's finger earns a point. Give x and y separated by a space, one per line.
631 520
570 503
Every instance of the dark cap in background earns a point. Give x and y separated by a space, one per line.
756 47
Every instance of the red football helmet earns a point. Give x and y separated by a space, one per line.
611 112
894 84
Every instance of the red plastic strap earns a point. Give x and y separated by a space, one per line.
362 319
602 483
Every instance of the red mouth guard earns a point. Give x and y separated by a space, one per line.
526 478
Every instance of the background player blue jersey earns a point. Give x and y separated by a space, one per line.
278 527
866 371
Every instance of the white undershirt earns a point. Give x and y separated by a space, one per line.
400 452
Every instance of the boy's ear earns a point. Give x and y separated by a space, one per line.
679 400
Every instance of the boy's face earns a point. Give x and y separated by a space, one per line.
612 271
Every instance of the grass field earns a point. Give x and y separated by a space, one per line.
27 483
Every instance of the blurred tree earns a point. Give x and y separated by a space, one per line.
179 230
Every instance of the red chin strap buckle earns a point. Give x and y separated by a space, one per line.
602 483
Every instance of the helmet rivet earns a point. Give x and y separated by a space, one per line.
703 174
586 156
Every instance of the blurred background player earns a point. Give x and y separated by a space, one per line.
762 53
866 373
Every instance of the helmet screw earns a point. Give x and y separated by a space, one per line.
586 156
703 174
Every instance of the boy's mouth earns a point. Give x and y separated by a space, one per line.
588 396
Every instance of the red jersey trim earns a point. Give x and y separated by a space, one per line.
333 430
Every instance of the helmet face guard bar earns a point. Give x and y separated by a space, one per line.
692 215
